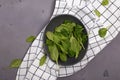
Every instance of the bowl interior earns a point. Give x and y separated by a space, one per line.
58 20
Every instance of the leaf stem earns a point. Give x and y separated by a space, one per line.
82 44
108 26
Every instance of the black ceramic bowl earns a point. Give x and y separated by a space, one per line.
58 20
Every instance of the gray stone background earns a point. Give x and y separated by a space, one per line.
20 19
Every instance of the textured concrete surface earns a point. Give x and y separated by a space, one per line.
22 18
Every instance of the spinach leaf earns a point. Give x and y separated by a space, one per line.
64 33
54 52
75 46
59 28
97 13
105 2
64 50
84 38
78 51
15 63
60 35
71 53
78 33
56 38
67 21
30 39
50 35
102 32
49 42
69 27
65 46
63 57
42 60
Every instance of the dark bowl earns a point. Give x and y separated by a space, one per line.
58 20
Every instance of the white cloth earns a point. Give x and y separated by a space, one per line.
83 10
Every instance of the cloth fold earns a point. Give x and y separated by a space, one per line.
83 10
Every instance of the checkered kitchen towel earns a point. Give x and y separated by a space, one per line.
83 10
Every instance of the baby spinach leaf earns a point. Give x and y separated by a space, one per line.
42 60
77 31
67 21
78 51
50 35
15 63
70 26
80 40
105 2
64 33
59 28
71 53
84 38
75 46
63 57
60 35
65 46
30 39
49 42
54 53
97 13
64 50
56 38
102 32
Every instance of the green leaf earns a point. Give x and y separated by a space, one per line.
50 35
102 32
56 38
49 42
59 28
15 63
71 53
53 52
64 33
60 35
70 26
65 46
84 38
78 52
63 57
75 46
97 13
105 2
30 39
66 26
79 35
42 60
67 21
78 31
63 49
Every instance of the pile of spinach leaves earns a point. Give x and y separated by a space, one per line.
67 40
